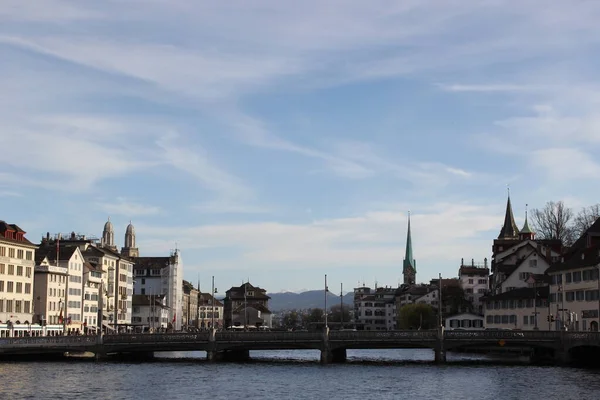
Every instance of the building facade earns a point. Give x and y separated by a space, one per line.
247 305
162 276
575 285
474 280
209 310
17 262
375 310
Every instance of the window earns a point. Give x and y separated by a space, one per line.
9 287
19 287
525 320
533 263
2 251
29 255
28 288
28 272
11 269
2 269
11 253
470 281
482 282
1 286
577 276
20 254
568 277
19 270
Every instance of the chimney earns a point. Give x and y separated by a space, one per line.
485 262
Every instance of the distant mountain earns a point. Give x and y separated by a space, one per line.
304 300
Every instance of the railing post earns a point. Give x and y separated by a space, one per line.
440 352
326 355
211 351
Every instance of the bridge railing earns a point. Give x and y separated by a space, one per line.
157 338
504 334
268 336
43 341
383 335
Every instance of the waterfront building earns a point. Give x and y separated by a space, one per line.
92 282
189 305
474 282
247 305
17 262
574 284
207 307
516 254
518 308
375 310
58 286
162 276
149 312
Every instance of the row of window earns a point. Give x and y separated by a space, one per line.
509 319
74 278
11 270
512 304
466 323
15 287
479 281
480 291
576 276
74 292
20 254
54 292
575 295
74 304
16 306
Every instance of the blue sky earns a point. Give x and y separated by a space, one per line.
281 141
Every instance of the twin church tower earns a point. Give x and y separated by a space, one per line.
108 240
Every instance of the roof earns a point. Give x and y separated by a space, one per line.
64 253
13 228
238 292
582 242
526 228
580 258
465 269
204 299
520 293
146 300
409 261
152 262
256 306
509 229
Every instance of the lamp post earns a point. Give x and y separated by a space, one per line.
212 303
341 305
326 290
598 294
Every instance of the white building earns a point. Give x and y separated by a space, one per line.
517 309
162 276
17 255
375 310
474 282
149 312
92 279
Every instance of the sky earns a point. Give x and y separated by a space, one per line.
282 141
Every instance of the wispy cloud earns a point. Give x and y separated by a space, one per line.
127 208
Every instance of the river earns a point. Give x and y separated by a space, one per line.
368 374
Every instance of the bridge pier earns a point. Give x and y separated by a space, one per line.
562 357
230 355
440 355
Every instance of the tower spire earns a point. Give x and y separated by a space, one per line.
409 269
526 232
509 229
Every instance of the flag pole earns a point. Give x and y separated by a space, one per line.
212 304
326 290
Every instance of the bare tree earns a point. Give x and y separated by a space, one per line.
585 218
554 222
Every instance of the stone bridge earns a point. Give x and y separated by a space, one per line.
560 346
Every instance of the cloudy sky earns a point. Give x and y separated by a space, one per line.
281 141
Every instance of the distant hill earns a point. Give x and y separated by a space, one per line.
304 300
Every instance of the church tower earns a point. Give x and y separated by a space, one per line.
526 233
129 250
108 235
409 269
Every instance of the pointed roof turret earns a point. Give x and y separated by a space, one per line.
408 255
509 229
526 228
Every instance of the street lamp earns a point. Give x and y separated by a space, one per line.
326 290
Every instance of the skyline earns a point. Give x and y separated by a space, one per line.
281 142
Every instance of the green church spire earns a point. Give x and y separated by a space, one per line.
409 269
